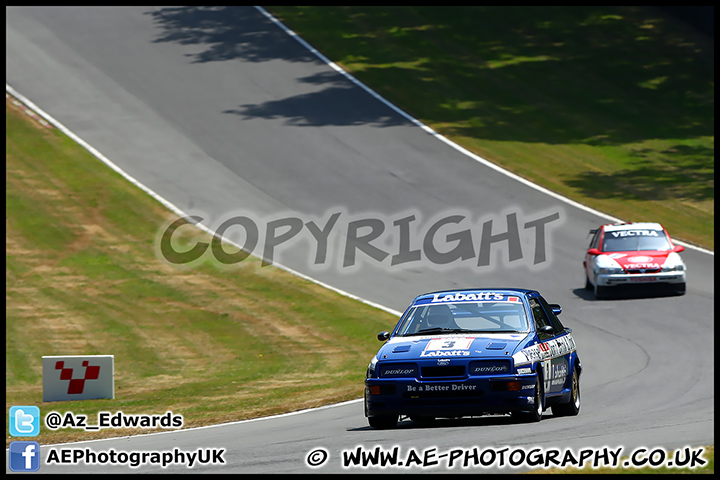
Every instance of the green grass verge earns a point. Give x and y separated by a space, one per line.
212 344
610 106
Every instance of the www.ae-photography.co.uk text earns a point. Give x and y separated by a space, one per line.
345 241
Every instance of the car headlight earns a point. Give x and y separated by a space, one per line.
673 263
606 265
371 368
673 268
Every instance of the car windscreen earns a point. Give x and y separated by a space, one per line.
634 240
464 317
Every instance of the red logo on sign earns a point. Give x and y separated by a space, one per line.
543 347
77 385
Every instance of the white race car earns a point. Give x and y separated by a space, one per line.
631 254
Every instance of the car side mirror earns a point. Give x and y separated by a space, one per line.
382 336
593 251
548 329
678 248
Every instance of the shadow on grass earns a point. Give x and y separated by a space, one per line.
685 173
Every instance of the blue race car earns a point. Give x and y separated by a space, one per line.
472 352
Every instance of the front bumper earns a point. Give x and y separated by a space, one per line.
611 280
449 398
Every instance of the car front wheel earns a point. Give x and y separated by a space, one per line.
535 415
601 292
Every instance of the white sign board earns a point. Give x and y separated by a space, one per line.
78 377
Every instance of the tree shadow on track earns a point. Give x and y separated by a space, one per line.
340 105
227 33
244 34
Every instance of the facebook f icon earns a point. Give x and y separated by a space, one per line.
24 421
24 456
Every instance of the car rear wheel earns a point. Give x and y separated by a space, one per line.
572 407
383 422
